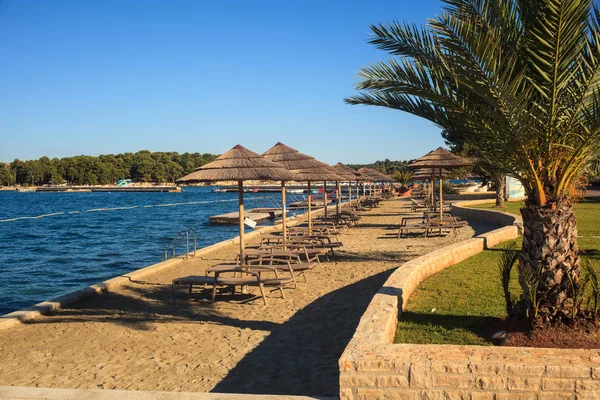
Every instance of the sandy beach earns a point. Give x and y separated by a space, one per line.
135 339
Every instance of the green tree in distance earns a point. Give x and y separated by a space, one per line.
520 79
143 166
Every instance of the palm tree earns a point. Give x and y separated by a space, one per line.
520 79
403 177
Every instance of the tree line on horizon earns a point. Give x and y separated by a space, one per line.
143 166
386 166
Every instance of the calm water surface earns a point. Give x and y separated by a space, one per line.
47 257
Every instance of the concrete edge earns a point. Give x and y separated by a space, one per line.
22 393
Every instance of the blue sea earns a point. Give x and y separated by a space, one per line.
101 235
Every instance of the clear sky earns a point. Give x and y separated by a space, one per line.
112 76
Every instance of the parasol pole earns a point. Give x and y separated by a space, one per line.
432 191
242 255
241 200
309 205
283 208
338 195
441 202
325 196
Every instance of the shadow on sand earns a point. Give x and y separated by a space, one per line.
151 304
300 357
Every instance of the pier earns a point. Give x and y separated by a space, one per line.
255 214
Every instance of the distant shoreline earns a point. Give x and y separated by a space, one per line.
95 188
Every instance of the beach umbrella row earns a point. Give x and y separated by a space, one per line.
279 163
305 168
239 164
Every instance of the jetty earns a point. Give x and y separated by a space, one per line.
111 189
255 214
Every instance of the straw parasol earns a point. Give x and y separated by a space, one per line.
440 158
304 167
349 175
353 174
429 174
239 164
373 175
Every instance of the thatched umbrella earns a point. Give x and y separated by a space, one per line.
354 174
373 174
305 168
440 158
429 174
289 159
239 164
348 174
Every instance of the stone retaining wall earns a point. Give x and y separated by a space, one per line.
492 217
373 367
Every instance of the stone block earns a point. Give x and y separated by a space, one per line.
449 367
524 370
346 394
369 394
568 371
453 381
516 396
490 382
558 384
482 396
457 395
374 366
555 396
432 395
401 395
533 384
353 381
587 386
479 368
392 381
419 376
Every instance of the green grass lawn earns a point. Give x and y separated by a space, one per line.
458 304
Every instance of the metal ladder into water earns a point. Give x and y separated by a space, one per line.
181 236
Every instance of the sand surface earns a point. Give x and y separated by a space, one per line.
134 338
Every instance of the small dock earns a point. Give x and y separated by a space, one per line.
255 214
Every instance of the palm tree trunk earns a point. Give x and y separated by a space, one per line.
500 186
549 264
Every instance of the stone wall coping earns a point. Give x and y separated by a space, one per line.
501 218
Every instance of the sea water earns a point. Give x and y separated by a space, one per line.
90 237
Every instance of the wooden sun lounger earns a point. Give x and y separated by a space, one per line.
253 278
415 206
296 269
431 224
308 248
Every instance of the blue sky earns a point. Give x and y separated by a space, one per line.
97 77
